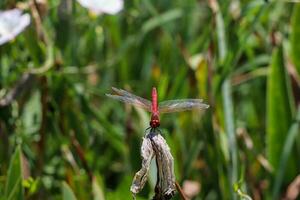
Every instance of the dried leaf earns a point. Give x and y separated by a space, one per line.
155 145
165 184
293 190
141 176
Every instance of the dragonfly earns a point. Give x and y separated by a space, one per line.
156 108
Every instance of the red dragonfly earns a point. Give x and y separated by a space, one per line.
155 108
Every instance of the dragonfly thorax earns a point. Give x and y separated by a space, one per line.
154 122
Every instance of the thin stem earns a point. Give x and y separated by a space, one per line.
41 144
181 193
80 153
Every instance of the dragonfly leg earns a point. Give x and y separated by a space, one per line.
159 131
155 131
152 132
145 133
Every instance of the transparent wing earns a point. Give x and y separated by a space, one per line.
129 98
181 105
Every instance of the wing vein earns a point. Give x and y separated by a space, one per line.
129 98
181 105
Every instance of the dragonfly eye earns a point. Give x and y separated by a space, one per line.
154 123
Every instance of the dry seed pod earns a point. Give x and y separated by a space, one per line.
155 145
165 184
141 176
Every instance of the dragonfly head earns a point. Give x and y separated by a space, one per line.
154 122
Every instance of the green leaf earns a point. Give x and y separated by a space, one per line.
63 25
159 20
222 47
295 37
230 131
67 192
32 115
14 189
287 150
279 112
97 190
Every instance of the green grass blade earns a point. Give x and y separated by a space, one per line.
222 46
287 150
98 193
161 19
14 188
227 103
279 113
295 37
67 193
230 130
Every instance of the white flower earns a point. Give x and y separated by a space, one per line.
102 6
12 23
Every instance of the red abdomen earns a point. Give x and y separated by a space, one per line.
154 101
154 123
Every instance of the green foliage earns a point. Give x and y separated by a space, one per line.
279 114
287 152
62 138
67 193
98 193
295 36
14 188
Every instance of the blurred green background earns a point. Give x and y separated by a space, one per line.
62 138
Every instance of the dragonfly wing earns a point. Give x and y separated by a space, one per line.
129 98
181 105
130 95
